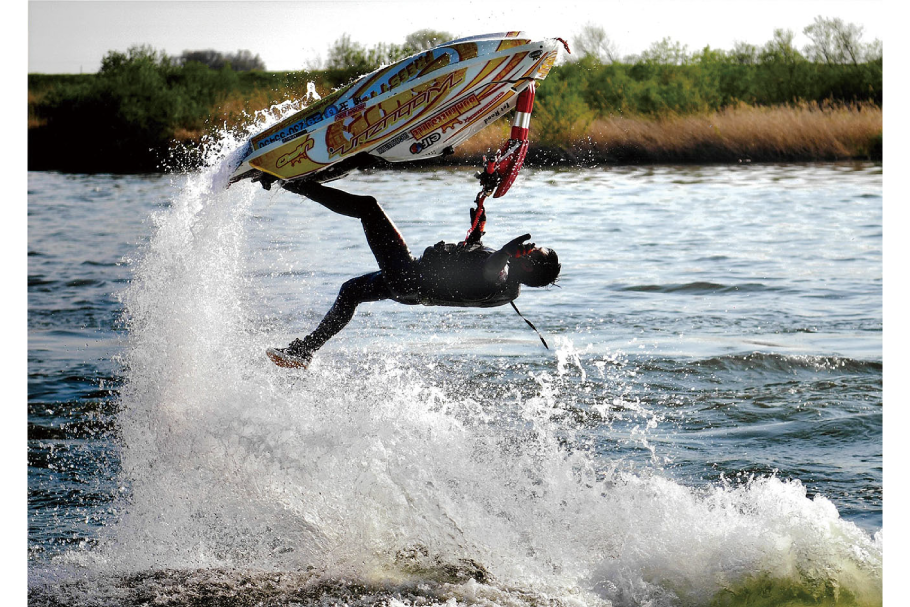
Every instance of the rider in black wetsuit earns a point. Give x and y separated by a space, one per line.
466 274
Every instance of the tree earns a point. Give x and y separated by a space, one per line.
874 50
244 61
353 58
785 74
241 61
143 55
666 52
834 41
822 47
126 117
593 42
780 49
425 39
744 53
345 54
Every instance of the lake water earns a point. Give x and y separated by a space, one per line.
706 427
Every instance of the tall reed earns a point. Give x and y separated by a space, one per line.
805 131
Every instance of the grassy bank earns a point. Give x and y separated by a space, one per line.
802 132
141 106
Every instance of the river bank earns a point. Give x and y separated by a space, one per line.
808 132
145 113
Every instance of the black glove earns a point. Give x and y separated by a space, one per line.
515 246
489 181
265 180
483 216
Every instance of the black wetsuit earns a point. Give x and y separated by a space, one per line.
467 274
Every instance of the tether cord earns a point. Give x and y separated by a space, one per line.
530 324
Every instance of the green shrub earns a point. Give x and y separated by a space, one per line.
560 114
127 116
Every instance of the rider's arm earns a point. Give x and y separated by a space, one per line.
317 192
477 226
494 266
338 201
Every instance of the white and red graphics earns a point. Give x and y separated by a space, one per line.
416 108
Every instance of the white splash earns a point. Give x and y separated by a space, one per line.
230 462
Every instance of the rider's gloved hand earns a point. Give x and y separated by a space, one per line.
489 181
489 177
516 246
265 180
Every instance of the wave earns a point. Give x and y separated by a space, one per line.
436 585
85 282
38 280
660 544
787 363
702 288
366 479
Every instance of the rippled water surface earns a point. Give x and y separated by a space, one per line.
706 427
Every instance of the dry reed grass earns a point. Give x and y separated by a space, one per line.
236 108
807 131
33 100
231 112
804 132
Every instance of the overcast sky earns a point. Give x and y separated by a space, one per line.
72 36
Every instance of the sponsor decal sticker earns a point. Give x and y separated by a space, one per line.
285 133
408 71
485 109
349 112
445 119
419 146
499 112
388 145
297 129
425 95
